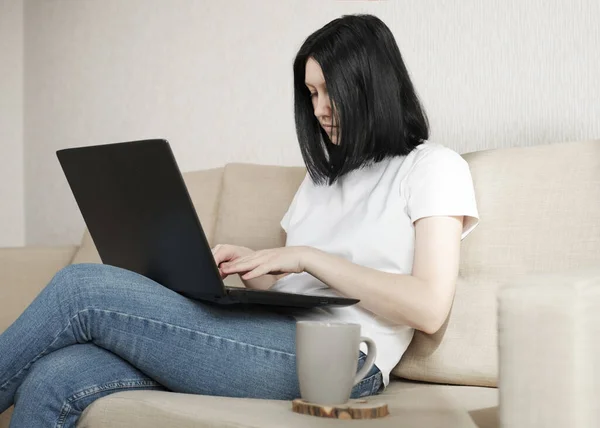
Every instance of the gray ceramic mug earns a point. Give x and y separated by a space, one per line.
327 360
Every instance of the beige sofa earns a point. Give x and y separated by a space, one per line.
527 306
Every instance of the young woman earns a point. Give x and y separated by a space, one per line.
379 217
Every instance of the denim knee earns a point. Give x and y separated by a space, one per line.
75 276
80 273
85 284
77 271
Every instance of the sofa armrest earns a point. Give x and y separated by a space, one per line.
549 350
24 272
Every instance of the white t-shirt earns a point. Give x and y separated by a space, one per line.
367 218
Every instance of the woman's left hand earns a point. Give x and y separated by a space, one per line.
274 261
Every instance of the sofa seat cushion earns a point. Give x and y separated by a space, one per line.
410 405
481 403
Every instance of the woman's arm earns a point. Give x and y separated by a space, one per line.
421 300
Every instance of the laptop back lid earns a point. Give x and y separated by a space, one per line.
139 213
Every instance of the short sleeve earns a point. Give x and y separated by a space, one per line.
440 184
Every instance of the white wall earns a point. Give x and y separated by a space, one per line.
215 78
12 196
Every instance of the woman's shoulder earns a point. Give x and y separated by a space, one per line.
431 154
429 148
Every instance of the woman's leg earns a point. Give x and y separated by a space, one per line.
184 345
60 385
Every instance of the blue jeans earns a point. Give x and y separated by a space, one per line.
95 330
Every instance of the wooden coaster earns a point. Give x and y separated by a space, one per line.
353 409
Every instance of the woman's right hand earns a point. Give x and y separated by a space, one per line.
228 253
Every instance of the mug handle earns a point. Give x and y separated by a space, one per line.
370 362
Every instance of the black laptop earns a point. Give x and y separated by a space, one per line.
139 213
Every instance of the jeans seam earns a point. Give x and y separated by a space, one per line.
84 393
62 417
191 330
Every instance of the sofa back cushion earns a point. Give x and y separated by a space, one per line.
539 212
539 209
253 201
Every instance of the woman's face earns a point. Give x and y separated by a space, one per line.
315 82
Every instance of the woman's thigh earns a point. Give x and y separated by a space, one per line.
195 347
60 385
